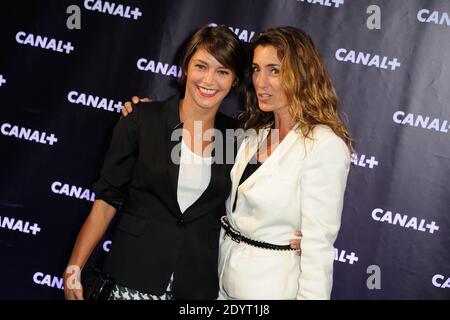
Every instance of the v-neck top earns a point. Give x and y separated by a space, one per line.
251 167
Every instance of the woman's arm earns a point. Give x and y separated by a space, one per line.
322 194
90 234
110 192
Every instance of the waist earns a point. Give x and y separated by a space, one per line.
236 236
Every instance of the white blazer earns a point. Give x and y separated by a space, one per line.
299 187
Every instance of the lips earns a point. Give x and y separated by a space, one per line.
264 96
204 92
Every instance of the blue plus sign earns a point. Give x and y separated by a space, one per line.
371 162
432 226
394 63
35 228
352 258
51 139
118 106
68 47
337 3
136 13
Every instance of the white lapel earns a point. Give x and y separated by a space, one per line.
268 167
246 151
272 163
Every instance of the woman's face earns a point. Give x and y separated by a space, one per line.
208 81
266 79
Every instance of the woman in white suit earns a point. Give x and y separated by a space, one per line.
290 174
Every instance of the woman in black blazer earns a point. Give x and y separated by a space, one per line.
161 251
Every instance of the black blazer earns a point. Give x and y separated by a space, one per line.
154 238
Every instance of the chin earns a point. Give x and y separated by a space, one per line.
264 107
208 104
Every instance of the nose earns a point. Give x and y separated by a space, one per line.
260 80
208 77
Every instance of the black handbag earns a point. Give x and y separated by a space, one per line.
97 284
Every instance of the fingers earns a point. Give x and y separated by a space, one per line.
135 99
75 294
72 283
295 244
78 294
128 106
125 108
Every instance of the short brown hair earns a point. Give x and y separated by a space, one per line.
222 44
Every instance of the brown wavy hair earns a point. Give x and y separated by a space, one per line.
311 96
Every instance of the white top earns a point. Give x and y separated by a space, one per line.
193 178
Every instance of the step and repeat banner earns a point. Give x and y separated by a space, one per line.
67 68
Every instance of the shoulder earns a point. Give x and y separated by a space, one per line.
323 133
326 141
148 108
154 111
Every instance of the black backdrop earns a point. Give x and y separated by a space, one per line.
393 83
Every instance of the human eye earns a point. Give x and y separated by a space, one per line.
275 71
200 66
224 72
255 69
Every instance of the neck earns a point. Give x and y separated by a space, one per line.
283 121
190 112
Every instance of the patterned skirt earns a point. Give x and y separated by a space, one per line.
124 293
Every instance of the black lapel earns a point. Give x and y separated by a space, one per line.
219 173
219 176
174 134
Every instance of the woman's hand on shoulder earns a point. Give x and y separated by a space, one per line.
128 106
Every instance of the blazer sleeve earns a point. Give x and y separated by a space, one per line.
119 161
322 189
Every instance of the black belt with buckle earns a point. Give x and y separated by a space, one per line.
238 237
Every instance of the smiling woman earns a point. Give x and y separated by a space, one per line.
208 81
168 210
